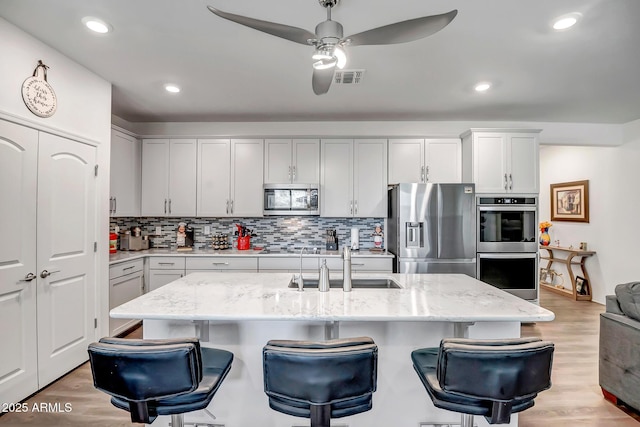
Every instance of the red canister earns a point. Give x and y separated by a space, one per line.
113 243
244 243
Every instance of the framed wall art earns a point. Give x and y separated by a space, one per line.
570 201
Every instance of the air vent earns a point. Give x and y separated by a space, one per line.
348 77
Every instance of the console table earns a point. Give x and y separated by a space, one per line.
573 257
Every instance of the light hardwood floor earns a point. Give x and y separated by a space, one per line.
574 398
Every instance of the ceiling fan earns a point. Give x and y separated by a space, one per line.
329 42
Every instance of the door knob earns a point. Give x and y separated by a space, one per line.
29 277
46 273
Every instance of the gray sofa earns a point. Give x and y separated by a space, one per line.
619 365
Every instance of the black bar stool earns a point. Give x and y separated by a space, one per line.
493 378
320 380
158 377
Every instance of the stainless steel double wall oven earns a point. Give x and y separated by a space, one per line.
507 230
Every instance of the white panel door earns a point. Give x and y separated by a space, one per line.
182 178
336 178
443 160
490 170
370 178
159 278
306 161
277 161
66 228
246 177
125 175
406 160
214 177
155 177
18 185
524 164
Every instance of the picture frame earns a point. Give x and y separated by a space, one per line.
581 285
570 201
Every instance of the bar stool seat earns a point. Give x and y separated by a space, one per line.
491 378
320 380
158 377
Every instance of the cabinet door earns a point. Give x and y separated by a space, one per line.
182 178
18 189
306 161
123 289
125 175
214 177
406 160
443 160
277 161
159 278
489 162
155 177
336 178
524 161
370 178
246 177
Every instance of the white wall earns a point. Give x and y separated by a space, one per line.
83 114
614 206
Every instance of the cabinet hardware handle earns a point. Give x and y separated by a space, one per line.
220 263
110 204
505 181
353 264
165 206
29 277
231 206
46 273
351 207
128 268
510 182
427 174
169 206
166 263
294 173
227 206
115 204
356 207
289 172
422 174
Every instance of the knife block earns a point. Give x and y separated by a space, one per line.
333 245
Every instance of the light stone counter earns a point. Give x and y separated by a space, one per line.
240 312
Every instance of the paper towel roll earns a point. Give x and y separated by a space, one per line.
355 238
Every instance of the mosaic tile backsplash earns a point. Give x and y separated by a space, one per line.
275 233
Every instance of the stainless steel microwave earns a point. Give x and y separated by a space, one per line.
291 199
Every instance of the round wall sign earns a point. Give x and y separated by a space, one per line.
38 95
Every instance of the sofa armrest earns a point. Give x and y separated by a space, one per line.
612 305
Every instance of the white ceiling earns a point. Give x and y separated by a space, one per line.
228 72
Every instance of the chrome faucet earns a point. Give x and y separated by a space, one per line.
346 269
300 280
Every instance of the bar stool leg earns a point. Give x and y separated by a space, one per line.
320 415
466 420
177 420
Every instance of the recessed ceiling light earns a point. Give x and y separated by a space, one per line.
96 25
171 88
482 87
566 21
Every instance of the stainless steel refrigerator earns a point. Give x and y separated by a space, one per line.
431 228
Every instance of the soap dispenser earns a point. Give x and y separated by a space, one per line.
323 282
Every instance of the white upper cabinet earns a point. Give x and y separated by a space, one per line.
291 161
353 178
169 177
230 174
425 160
125 176
502 161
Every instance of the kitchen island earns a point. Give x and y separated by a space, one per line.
240 312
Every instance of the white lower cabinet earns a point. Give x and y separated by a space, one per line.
126 282
163 270
361 265
289 264
239 264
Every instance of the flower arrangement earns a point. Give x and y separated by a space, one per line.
545 225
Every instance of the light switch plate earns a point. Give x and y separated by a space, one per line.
116 229
158 230
207 230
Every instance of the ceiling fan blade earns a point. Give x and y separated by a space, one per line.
295 34
322 79
402 32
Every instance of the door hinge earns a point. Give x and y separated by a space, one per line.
95 323
95 246
95 170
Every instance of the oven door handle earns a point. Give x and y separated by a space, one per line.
510 208
511 255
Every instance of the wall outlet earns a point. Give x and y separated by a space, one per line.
158 230
207 230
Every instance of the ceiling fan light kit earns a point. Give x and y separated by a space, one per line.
329 41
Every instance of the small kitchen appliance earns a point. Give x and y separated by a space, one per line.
355 239
331 240
130 242
291 199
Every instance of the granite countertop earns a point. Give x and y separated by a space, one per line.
265 296
122 256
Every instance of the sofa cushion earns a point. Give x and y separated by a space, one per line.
628 295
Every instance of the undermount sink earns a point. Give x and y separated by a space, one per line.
359 283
